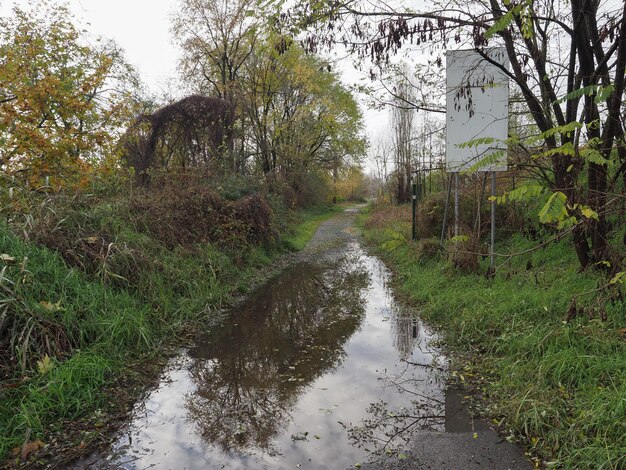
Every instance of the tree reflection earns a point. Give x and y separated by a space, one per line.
250 369
386 429
405 328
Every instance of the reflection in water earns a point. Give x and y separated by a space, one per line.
321 349
249 371
387 428
405 331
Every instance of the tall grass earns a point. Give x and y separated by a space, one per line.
558 385
72 318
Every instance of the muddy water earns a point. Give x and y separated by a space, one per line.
320 368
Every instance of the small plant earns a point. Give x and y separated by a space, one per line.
463 253
429 248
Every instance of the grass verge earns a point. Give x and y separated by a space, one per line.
307 222
558 386
80 332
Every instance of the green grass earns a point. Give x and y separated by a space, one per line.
559 386
97 322
308 222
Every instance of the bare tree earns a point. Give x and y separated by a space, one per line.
216 38
403 132
380 157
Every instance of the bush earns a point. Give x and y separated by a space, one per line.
178 215
429 248
463 254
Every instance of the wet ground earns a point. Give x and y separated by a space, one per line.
319 369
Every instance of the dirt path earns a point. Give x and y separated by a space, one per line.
312 368
467 443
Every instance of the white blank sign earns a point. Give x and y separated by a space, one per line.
477 107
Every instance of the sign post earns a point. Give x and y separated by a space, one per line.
414 208
493 225
477 118
456 204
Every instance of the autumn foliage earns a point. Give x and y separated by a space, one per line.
62 101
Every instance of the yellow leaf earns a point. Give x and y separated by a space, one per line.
589 212
51 307
617 278
7 258
45 365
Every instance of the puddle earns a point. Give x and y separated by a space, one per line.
319 369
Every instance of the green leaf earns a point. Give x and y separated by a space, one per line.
476 142
497 157
617 278
567 222
45 365
521 193
579 92
555 209
565 129
566 149
593 155
504 21
603 93
396 239
459 239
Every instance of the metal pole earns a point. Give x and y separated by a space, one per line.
445 210
493 223
480 198
456 204
414 208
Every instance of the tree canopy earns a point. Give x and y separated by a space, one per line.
63 101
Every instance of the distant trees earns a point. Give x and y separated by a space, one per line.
403 132
62 101
295 121
259 105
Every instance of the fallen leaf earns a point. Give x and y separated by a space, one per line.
28 448
475 435
51 307
7 258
